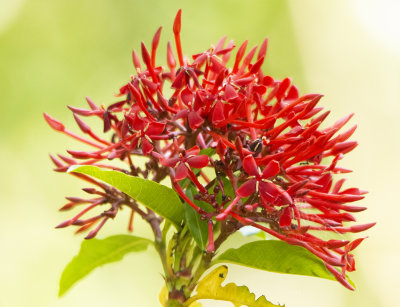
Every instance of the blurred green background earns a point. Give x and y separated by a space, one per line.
54 53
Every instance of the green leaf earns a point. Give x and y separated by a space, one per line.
276 256
95 253
207 151
197 227
159 198
210 288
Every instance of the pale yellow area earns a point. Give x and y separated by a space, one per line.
55 53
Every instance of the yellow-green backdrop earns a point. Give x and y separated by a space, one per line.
54 53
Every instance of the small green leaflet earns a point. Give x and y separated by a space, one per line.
159 198
197 227
276 256
207 151
95 253
210 288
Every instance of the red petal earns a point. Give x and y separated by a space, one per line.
155 128
273 194
296 186
247 188
146 146
199 61
179 80
293 93
283 86
181 114
230 92
187 96
198 161
325 181
268 81
195 120
181 172
272 169
355 243
218 114
171 162
256 66
136 122
250 165
286 218
194 151
150 85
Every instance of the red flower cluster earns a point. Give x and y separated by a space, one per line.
267 141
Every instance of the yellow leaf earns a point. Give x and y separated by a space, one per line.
163 296
210 288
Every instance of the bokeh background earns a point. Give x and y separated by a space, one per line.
54 53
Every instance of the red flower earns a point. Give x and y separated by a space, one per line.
270 193
186 160
271 152
146 131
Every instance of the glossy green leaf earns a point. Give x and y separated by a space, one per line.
276 256
207 151
210 288
95 253
159 198
197 227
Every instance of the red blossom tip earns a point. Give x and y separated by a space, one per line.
170 57
89 190
344 147
177 23
359 228
154 45
56 162
91 104
83 112
64 224
263 49
136 61
54 123
257 66
239 55
145 55
67 207
82 125
332 244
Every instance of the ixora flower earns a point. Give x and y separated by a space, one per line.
239 147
